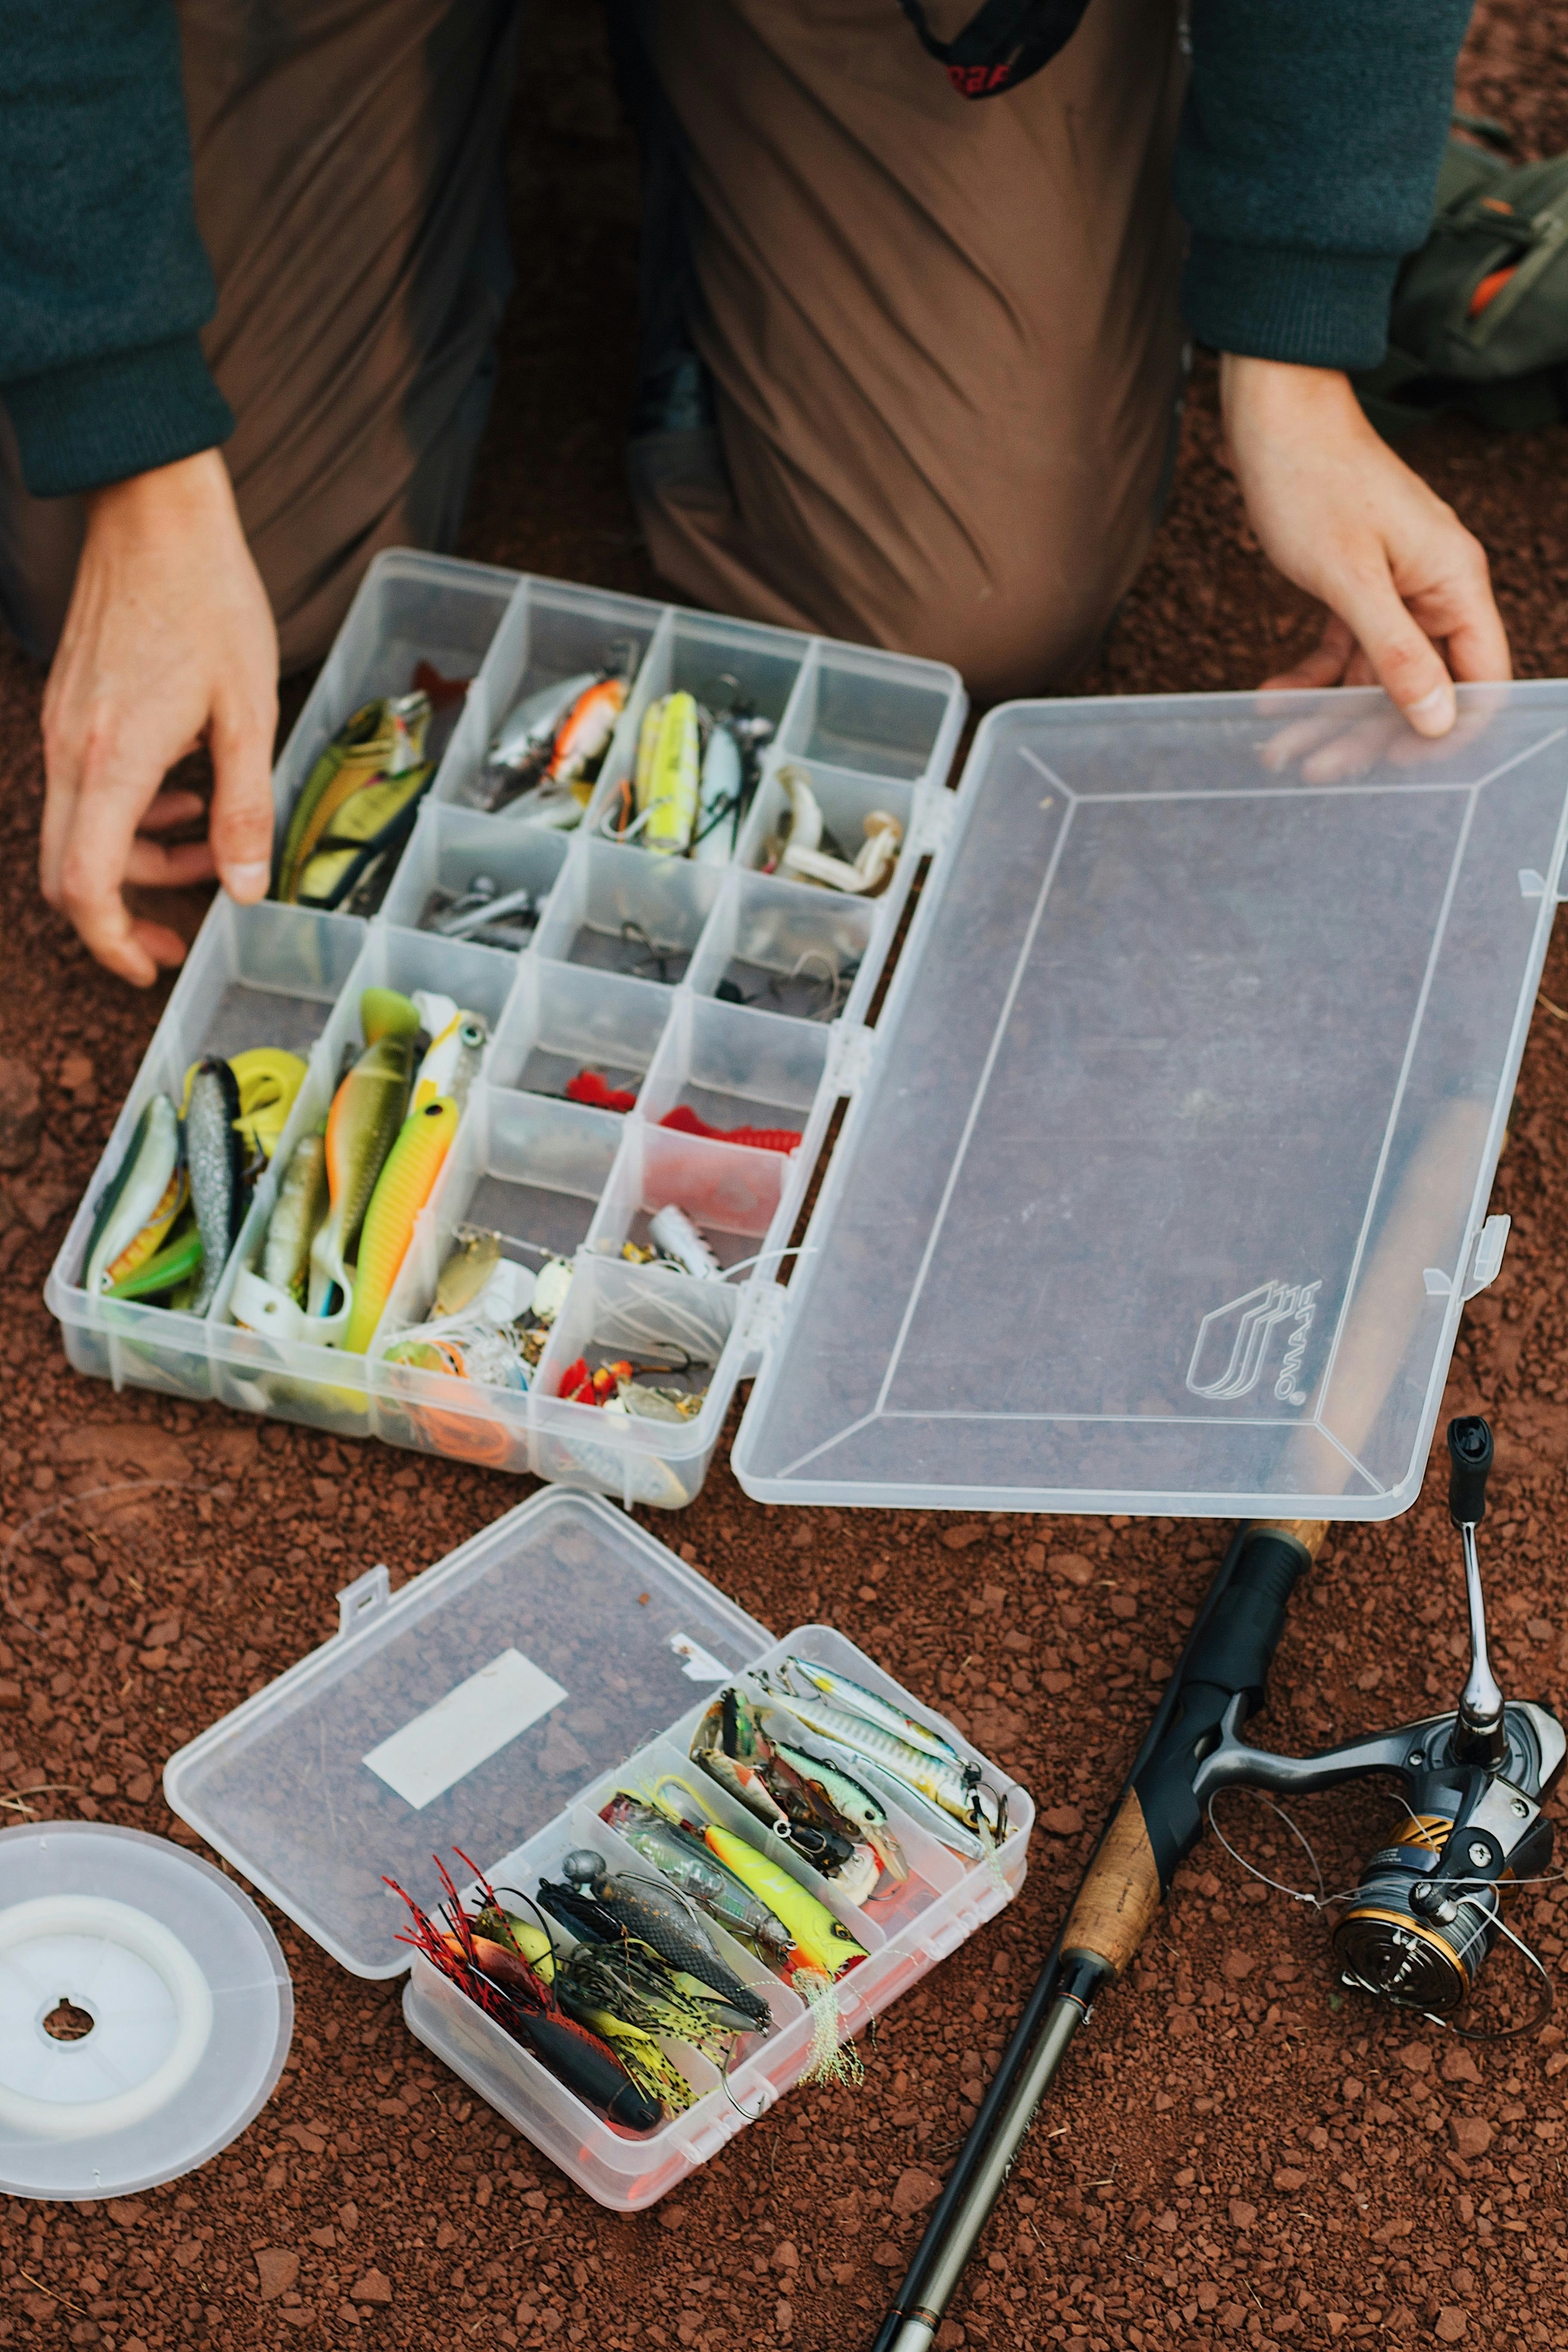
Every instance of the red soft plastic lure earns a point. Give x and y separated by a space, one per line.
589 1088
751 1139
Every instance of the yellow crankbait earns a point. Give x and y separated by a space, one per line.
669 771
822 1942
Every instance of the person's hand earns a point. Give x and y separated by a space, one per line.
1409 598
168 643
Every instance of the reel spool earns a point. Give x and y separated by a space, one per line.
1426 1959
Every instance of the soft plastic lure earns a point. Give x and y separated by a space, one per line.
362 1125
401 1190
589 1088
365 779
685 1122
135 1191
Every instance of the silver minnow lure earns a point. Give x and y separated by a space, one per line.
215 1157
854 1698
956 1787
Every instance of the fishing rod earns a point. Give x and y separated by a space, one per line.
1414 1933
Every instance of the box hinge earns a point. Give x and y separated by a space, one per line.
853 1047
763 1319
933 819
1482 1266
365 1598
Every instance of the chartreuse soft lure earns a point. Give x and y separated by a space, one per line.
401 1190
362 1125
361 786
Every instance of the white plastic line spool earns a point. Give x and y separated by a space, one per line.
151 2007
672 1231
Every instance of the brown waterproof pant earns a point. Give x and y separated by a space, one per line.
943 335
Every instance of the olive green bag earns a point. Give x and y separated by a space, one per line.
1479 317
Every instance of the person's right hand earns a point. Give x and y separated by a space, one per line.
168 643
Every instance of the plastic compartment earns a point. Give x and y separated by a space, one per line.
552 631
738 1068
733 1194
452 846
565 1019
788 950
262 975
409 608
635 1645
879 713
723 663
845 800
618 910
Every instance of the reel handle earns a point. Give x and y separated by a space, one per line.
1470 1452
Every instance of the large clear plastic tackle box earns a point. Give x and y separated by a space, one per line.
495 1704
622 973
1164 1172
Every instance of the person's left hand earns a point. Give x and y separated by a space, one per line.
1408 593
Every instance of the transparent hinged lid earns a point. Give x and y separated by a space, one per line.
467 1710
1167 1177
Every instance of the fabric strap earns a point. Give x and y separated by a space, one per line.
1003 44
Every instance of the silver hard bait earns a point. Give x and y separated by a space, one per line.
956 1787
854 1698
529 728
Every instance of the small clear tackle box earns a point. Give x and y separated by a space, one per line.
494 1704
1163 1173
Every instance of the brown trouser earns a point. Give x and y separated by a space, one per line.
942 336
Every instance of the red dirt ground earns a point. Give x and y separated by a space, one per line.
1237 2153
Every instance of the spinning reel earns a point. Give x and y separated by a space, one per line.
1419 1925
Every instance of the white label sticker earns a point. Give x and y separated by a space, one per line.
464 1729
698 1664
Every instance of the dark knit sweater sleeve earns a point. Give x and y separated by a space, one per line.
1306 165
103 278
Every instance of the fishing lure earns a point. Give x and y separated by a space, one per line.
526 2006
269 1080
590 1901
672 1232
484 913
634 1984
685 1122
216 1157
667 773
823 1942
732 1749
402 1189
362 1125
297 1215
944 1780
528 731
678 1851
457 1048
136 1193
589 1088
651 2068
850 1800
165 1270
358 801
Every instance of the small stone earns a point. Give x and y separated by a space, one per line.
1459 2066
959 1538
1450 2323
670 2217
126 2212
1237 1964
1417 2057
1471 2135
1242 2214
1290 2179
785 2255
1065 1820
914 2190
887 2256
1072 1565
375 2287
277 2267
